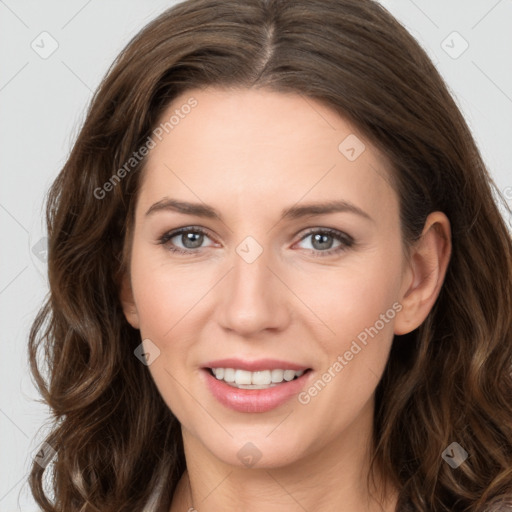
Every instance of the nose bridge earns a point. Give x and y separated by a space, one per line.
250 272
254 299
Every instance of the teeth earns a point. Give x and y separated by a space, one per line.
288 375
254 380
277 375
242 377
262 378
229 374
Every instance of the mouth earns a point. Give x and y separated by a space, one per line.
258 387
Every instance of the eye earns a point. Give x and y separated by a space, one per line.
322 240
191 238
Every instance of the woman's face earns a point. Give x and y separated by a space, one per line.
256 286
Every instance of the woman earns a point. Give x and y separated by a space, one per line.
279 279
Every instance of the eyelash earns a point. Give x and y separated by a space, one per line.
346 240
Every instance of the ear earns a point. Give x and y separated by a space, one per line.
128 303
425 273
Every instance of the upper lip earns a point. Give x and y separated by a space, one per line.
256 365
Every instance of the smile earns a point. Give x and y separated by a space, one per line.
255 388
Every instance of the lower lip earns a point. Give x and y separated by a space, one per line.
254 400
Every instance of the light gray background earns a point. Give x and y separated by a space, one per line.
43 102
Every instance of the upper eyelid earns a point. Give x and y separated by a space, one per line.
185 229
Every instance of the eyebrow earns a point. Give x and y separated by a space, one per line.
291 213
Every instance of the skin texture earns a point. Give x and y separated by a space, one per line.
250 154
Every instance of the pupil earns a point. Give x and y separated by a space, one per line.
189 238
319 237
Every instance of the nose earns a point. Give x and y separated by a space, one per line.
253 296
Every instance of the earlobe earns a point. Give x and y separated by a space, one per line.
427 269
128 302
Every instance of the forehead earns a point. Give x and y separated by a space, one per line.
248 146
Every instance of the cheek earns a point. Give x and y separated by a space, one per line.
353 297
163 293
360 307
164 296
358 303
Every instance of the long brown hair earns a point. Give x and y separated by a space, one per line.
447 381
